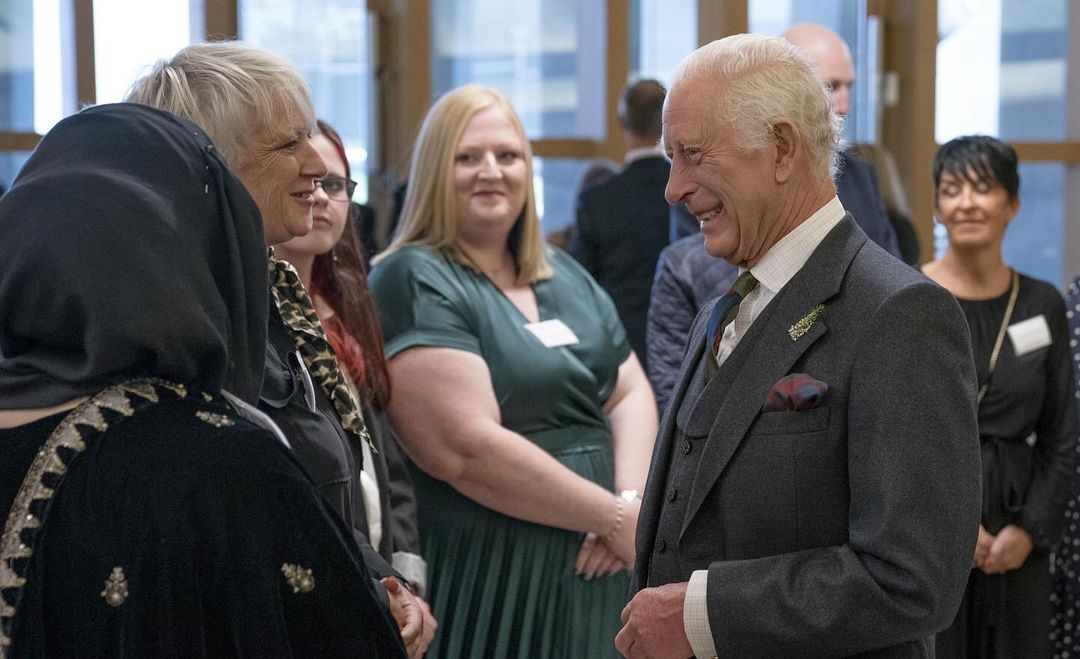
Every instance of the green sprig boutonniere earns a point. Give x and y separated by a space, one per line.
805 323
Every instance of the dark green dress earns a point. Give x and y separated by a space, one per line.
499 586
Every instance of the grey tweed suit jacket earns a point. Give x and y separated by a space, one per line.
846 529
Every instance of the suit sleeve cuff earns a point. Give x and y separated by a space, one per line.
413 568
696 616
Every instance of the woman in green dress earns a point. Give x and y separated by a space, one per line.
530 421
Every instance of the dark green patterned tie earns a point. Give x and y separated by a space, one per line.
299 316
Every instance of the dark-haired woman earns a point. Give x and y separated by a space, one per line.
1027 422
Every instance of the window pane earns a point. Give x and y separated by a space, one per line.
10 164
1001 69
130 35
335 57
547 56
848 19
557 182
32 65
1029 244
662 33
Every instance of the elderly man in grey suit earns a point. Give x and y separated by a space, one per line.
814 491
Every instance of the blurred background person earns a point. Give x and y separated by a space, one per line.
517 396
856 181
1027 418
599 170
686 278
145 516
893 196
330 263
1065 624
258 110
623 223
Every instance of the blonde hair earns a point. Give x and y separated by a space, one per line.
765 80
232 90
429 214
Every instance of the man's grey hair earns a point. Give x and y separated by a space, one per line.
760 81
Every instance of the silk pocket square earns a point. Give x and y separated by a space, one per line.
794 392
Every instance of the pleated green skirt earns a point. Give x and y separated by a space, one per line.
502 588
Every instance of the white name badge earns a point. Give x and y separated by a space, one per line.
1029 335
553 333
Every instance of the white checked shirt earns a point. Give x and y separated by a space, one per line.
773 272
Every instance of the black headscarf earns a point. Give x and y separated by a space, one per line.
128 249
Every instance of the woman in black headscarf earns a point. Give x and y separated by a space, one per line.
146 516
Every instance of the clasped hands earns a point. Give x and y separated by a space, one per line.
610 555
995 554
413 617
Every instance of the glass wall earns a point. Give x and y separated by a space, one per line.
662 32
333 49
548 57
848 19
1002 71
130 35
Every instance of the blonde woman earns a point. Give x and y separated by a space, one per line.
515 392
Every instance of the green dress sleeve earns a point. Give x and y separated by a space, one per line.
421 304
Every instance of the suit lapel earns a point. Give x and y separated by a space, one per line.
765 354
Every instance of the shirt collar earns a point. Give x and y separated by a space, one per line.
642 152
790 253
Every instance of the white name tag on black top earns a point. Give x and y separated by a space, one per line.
553 333
1029 335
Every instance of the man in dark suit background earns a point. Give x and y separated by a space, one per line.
622 224
814 490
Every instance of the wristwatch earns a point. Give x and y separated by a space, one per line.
629 495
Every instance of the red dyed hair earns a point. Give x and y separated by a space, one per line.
339 277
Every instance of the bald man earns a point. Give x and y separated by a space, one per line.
856 180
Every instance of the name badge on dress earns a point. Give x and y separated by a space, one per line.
1029 335
553 333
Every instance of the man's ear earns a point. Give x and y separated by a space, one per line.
787 144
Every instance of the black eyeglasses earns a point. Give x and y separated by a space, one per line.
336 187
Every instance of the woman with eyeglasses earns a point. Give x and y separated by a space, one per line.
330 263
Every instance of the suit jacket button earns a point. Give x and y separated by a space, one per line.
672 494
660 545
686 446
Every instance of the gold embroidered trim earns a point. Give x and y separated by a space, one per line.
805 323
116 590
216 420
300 578
50 461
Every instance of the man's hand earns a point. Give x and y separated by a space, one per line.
982 547
430 625
408 616
1011 547
653 625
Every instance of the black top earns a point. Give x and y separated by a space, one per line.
1027 422
317 437
206 522
127 249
